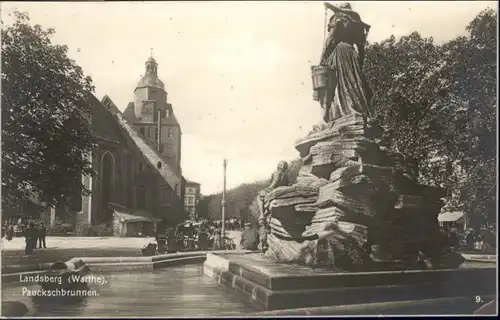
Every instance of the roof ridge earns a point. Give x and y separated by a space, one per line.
166 170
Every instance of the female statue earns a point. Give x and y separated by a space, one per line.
346 83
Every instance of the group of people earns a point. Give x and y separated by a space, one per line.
230 224
205 235
189 236
34 233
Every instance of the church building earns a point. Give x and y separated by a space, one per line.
138 187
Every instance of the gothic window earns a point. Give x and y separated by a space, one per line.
167 113
164 194
107 175
170 134
141 130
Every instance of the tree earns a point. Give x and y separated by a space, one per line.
478 150
46 133
438 103
409 93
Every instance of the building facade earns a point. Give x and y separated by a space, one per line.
192 198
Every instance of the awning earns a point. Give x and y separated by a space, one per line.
135 216
454 216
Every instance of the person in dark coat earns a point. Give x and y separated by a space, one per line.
203 239
9 233
249 238
31 235
42 231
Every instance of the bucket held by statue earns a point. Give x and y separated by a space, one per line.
320 77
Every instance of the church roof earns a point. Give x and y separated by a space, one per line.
129 115
150 80
148 151
191 182
103 124
132 215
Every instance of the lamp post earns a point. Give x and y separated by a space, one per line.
223 203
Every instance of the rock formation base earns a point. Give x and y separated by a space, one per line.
356 206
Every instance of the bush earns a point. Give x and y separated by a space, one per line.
82 230
100 230
59 228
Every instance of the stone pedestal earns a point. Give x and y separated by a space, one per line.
268 285
364 198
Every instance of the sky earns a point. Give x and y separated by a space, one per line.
237 73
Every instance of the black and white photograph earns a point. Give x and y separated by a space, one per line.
248 159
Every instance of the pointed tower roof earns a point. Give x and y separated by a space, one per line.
150 78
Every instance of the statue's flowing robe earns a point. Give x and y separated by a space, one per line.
348 91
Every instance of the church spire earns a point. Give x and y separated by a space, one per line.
151 66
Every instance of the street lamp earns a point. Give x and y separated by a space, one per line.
223 202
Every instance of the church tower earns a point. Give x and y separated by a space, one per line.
153 117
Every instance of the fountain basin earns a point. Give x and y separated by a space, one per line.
134 286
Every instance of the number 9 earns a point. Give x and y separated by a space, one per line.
478 299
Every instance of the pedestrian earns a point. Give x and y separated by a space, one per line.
217 239
31 235
42 231
9 233
203 239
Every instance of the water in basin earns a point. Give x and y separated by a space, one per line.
177 291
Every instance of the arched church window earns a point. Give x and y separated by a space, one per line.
170 134
167 113
107 176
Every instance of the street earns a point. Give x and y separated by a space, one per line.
65 248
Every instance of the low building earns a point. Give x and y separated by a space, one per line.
453 219
134 223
